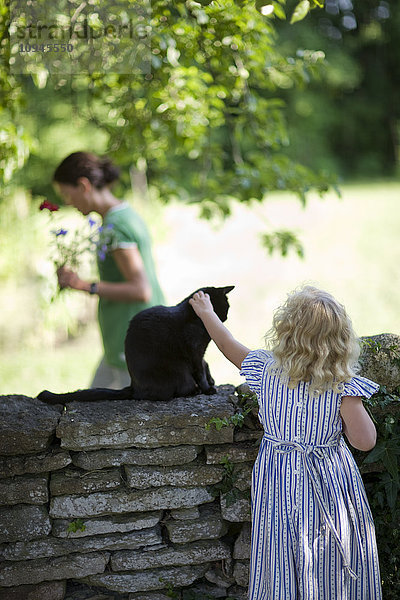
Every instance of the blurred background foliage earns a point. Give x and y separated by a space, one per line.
237 100
347 121
236 103
205 124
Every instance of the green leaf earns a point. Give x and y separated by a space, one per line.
279 11
375 454
390 462
40 78
300 12
282 241
77 525
392 490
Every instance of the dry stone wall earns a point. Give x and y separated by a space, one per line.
126 499
134 500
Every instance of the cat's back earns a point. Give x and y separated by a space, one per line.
157 316
157 333
157 329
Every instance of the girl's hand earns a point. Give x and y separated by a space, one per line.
201 304
231 348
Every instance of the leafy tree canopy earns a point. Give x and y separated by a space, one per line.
196 108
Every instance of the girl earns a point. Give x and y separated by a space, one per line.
313 535
128 281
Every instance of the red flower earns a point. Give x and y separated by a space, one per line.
51 207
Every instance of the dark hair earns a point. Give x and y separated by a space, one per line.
99 171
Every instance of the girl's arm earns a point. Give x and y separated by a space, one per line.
357 424
230 348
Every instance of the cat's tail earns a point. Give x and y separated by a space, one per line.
91 395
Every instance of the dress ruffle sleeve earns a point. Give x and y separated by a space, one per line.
253 368
360 386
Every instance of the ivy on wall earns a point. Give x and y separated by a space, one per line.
382 483
380 470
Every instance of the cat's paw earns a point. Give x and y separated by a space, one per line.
210 380
210 391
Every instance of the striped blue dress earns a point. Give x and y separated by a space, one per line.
313 536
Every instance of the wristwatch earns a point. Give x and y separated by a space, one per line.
93 288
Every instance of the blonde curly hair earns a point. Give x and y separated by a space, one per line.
313 340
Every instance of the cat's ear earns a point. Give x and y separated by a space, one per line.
228 289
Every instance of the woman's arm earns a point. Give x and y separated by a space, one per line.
233 350
135 288
357 424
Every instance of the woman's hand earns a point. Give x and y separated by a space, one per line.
69 279
201 303
135 288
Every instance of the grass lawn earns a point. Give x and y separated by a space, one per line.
59 368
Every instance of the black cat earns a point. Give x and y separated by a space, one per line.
164 350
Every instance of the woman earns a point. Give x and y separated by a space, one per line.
128 281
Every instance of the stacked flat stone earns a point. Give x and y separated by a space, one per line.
121 499
129 500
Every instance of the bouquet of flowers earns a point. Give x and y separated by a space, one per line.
69 246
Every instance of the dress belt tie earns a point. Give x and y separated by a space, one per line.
320 451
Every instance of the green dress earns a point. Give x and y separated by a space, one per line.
122 228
